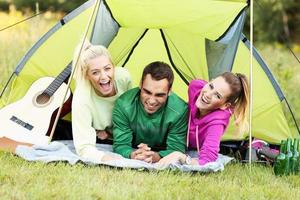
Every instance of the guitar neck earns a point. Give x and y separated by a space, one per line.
51 89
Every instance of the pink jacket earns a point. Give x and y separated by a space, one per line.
205 133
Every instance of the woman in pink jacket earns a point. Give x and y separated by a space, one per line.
210 108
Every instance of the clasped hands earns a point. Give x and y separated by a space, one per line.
144 153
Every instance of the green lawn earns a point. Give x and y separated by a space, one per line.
24 180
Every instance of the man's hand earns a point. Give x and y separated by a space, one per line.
144 147
144 153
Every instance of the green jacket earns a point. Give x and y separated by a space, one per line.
164 131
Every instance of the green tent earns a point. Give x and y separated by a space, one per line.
199 39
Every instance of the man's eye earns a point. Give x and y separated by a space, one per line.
160 95
146 91
211 86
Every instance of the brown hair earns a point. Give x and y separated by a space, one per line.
158 71
239 98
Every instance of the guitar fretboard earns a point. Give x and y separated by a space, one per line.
51 89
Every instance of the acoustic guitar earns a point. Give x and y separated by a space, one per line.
28 119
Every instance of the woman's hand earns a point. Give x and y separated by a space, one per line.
194 161
103 135
108 157
175 157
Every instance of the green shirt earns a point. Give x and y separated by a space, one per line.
164 130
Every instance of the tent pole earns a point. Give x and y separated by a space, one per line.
73 70
251 82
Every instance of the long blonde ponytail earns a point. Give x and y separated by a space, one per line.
239 99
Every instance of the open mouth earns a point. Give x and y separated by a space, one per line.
151 107
204 100
105 85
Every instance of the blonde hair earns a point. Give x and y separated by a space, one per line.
239 98
87 53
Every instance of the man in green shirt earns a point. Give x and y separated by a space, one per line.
150 122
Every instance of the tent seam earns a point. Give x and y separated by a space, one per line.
109 10
170 58
232 23
133 48
182 59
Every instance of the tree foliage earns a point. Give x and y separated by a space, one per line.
276 21
55 5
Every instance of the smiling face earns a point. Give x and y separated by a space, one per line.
100 73
213 96
154 93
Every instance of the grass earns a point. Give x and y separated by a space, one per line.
62 181
20 179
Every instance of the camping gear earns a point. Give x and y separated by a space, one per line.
267 153
199 39
279 166
295 158
288 156
261 151
287 162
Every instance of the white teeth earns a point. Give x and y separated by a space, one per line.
204 100
106 82
150 106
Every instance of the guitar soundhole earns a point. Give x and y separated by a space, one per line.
42 99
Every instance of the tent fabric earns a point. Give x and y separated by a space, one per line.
220 55
152 41
207 17
199 39
65 151
265 68
105 28
269 122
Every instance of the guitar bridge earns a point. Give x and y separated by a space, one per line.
21 123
